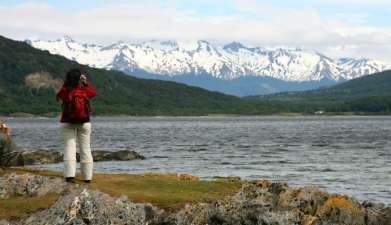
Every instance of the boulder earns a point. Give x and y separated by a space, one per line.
6 143
28 184
32 157
7 146
119 155
83 206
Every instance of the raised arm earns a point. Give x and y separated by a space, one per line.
90 90
88 87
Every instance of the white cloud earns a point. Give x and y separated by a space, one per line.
360 2
131 22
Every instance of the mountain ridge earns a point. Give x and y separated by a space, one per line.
233 69
231 61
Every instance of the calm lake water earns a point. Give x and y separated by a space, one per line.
349 155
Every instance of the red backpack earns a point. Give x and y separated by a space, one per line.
77 108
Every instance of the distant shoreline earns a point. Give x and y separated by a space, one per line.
284 114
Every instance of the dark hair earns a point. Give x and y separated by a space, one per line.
72 78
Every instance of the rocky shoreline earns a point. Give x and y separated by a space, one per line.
257 203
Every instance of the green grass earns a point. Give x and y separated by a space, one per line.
19 206
162 190
168 191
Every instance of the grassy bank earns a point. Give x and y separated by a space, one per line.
168 191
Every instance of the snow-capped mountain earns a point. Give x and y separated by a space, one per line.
173 59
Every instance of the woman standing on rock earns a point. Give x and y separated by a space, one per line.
75 95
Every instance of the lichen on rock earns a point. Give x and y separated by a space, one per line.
27 184
83 206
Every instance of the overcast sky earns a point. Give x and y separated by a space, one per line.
337 28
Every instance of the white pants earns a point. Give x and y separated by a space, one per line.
80 133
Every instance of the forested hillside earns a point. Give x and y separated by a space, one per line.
367 86
368 94
29 79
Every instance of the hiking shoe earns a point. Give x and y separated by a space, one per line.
70 179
